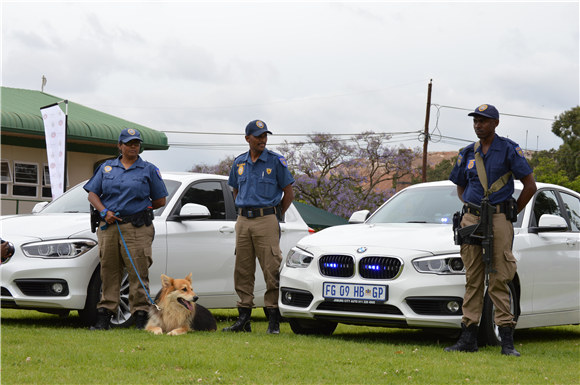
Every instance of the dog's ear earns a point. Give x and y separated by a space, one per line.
188 277
166 281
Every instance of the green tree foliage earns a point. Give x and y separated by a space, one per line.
567 127
561 166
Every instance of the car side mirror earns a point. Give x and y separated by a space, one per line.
38 207
192 211
549 223
359 216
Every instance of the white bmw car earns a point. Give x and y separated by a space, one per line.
401 268
55 267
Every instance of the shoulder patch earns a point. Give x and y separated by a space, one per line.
459 159
158 173
519 151
283 161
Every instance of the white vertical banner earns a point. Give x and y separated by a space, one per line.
55 132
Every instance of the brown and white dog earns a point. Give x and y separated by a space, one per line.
178 313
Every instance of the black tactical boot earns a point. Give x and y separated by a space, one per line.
467 341
243 322
103 319
506 334
141 318
274 320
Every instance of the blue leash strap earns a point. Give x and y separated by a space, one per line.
135 268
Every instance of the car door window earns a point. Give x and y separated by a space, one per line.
209 194
545 203
572 208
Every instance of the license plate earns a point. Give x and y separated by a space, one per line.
354 293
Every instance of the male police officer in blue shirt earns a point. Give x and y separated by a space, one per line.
263 192
503 160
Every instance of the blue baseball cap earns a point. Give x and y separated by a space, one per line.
257 128
486 110
129 134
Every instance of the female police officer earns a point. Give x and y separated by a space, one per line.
125 190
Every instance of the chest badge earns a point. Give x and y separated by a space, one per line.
241 169
268 171
471 164
107 169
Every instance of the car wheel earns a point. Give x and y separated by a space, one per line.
488 330
89 314
123 317
312 327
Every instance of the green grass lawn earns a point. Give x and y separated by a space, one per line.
45 349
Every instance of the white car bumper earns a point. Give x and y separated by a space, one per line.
30 282
408 304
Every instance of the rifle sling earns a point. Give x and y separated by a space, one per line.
498 184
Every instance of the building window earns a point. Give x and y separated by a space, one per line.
46 189
5 177
25 180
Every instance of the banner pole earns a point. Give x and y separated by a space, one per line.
65 144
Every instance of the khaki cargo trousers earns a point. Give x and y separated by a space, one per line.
114 260
504 265
257 238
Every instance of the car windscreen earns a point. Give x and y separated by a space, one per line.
420 205
76 200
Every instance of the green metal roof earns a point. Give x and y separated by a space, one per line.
318 218
88 130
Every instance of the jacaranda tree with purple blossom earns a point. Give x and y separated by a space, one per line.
345 175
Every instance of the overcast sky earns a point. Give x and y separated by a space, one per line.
302 67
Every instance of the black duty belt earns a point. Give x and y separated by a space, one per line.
255 212
476 210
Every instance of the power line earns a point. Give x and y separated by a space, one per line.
505 114
282 134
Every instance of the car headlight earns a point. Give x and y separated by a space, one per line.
440 265
65 248
298 258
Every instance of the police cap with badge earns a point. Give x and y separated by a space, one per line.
257 128
486 110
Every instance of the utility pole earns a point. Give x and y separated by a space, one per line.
426 133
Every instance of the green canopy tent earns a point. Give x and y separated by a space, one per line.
317 218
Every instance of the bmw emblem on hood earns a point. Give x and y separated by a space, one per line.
361 249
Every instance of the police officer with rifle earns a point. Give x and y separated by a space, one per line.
484 175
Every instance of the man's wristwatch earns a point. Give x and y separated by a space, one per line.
104 213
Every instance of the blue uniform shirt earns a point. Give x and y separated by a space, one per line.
260 184
127 191
503 155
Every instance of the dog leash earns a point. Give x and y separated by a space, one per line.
135 268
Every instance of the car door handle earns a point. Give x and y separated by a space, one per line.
226 229
571 242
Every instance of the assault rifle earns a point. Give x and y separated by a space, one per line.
484 233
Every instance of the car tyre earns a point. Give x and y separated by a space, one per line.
488 330
89 314
312 327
